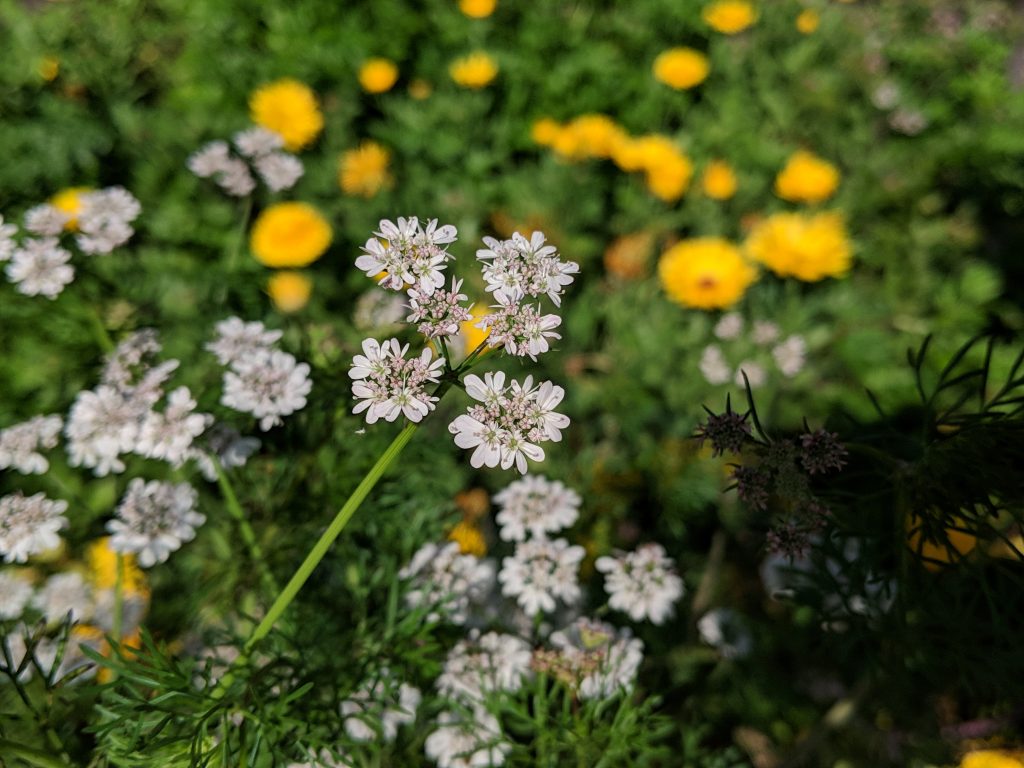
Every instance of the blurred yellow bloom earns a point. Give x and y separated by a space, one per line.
807 247
681 68
719 180
289 290
473 503
669 179
101 562
935 553
364 171
473 337
589 135
474 71
668 169
705 273
626 258
469 538
992 758
477 9
730 16
545 131
806 178
288 108
49 68
808 20
69 201
420 89
289 235
378 75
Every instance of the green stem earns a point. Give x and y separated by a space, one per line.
248 535
319 550
100 331
30 755
236 243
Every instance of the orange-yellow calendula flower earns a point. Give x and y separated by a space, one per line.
718 180
69 201
289 235
705 273
469 538
378 75
681 68
730 16
474 71
289 290
808 20
290 109
806 178
807 247
364 171
477 9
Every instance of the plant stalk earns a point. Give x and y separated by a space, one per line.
248 535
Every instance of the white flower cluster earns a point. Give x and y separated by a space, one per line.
535 506
723 629
642 583
447 581
40 267
789 356
377 710
29 525
540 572
105 220
467 740
323 759
509 422
15 594
439 313
517 268
153 519
601 660
20 445
388 385
409 254
481 665
260 379
259 151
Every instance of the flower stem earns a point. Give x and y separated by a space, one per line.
248 535
30 755
100 331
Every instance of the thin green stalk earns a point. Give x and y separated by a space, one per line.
236 243
100 331
30 755
248 535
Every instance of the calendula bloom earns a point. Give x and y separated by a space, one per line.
168 436
992 758
101 560
535 506
729 16
469 537
477 9
15 592
517 268
705 273
667 168
439 313
484 664
719 180
681 68
388 385
790 356
29 525
520 328
475 71
509 422
420 89
379 708
269 384
289 290
806 178
642 583
378 75
808 20
364 171
64 593
290 109
45 220
596 659
21 444
723 629
464 740
39 267
446 581
154 519
105 218
541 572
289 235
410 254
809 248
69 202
586 136
237 340
545 131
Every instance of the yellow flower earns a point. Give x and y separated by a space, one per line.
364 171
806 247
670 179
808 20
69 201
706 273
469 538
992 758
934 553
378 75
101 562
420 89
545 131
668 169
730 16
289 290
474 71
681 68
626 258
49 68
719 180
477 9
288 108
473 503
289 235
473 337
806 178
589 135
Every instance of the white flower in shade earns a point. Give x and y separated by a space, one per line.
29 525
209 159
379 708
132 358
269 385
388 385
40 268
642 583
103 424
45 220
446 581
257 141
279 170
713 366
516 268
765 332
235 178
237 340
440 312
599 660
508 422
20 445
756 375
481 665
535 506
64 593
520 328
462 740
729 326
7 244
15 592
377 309
791 355
153 519
540 572
410 254
723 629
104 222
323 759
169 435
224 445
